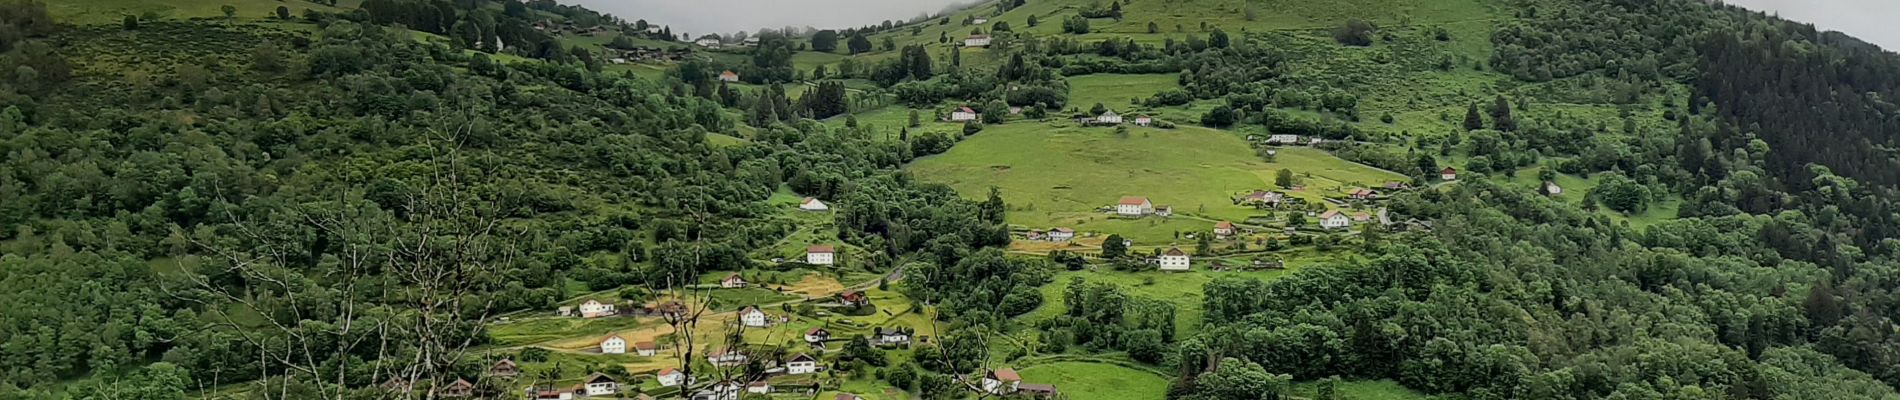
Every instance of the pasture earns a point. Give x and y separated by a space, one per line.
1097 381
1115 90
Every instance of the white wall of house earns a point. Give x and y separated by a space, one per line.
1338 221
820 258
613 345
1174 263
595 309
801 367
754 319
602 388
672 379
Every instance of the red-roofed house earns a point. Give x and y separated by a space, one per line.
1224 229
820 255
728 76
1173 260
1134 206
732 281
964 114
1001 381
1448 174
1335 220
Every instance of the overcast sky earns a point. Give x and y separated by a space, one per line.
1875 21
726 16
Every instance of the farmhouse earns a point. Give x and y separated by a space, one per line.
1133 206
759 387
732 281
1001 381
820 255
1448 174
505 368
977 41
817 335
1144 121
726 390
726 358
600 385
801 364
1173 260
460 388
853 298
596 309
707 42
979 21
728 76
1334 220
892 337
1263 197
565 311
1363 194
751 317
1224 229
1108 118
613 345
1034 234
962 114
647 349
1164 211
670 377
750 41
1360 217
812 204
1283 139
1061 234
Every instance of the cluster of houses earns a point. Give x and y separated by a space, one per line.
648 54
1110 118
1057 234
1006 382
593 308
595 385
714 42
799 364
1289 140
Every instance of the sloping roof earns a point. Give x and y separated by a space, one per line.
979 36
645 345
1224 225
1063 230
748 310
598 378
1174 252
1133 200
611 337
667 371
1109 113
815 331
1036 388
1330 213
1006 375
734 276
802 356
1448 170
966 109
819 249
504 361
728 73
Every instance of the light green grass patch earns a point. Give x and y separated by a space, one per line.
1097 381
1115 90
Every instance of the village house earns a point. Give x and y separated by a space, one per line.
1224 229
892 337
646 349
729 76
812 204
613 345
596 309
1144 121
759 387
460 388
1109 118
752 317
601 385
670 377
977 41
707 42
1164 211
726 358
801 364
1334 219
1283 139
979 21
727 390
553 393
1361 217
1038 390
1396 185
817 336
820 255
1133 206
1314 141
732 281
1173 260
853 298
1060 234
1362 194
1262 197
964 113
1001 381
1448 174
565 311
505 368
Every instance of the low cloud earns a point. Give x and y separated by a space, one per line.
1874 21
699 17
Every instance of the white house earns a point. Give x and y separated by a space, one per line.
1144 121
1224 229
601 385
1109 118
1061 234
726 358
1164 211
892 337
596 309
670 377
727 390
647 349
1001 381
812 204
733 281
801 364
707 42
963 114
979 21
750 41
1132 206
1448 174
1283 139
728 76
760 387
751 317
613 345
1335 220
817 335
976 41
820 255
1173 260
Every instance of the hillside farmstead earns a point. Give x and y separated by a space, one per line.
1448 174
751 317
1108 118
963 114
801 364
613 345
1133 206
812 204
596 309
976 41
732 281
670 377
1173 260
820 255
1335 220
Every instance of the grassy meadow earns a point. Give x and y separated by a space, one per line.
1093 380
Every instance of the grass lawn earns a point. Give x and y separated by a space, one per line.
1364 390
1115 90
1055 174
88 12
541 329
1183 289
1097 381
